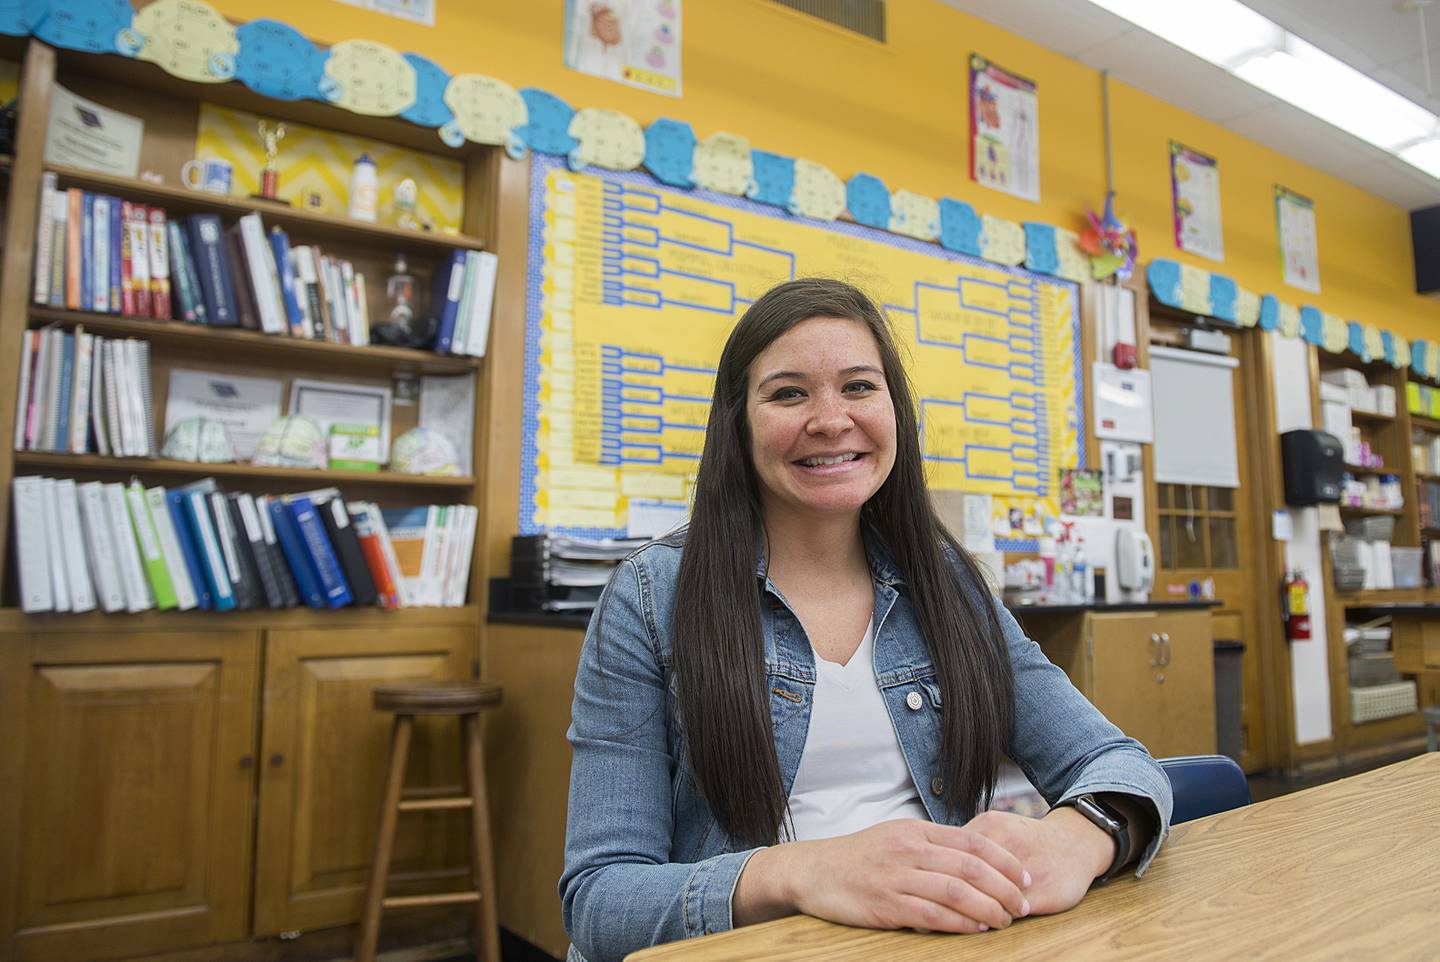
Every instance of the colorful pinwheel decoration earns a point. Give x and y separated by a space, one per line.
1110 244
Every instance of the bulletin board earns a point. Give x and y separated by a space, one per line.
633 288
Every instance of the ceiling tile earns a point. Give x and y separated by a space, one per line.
1065 26
1165 71
1304 137
1396 181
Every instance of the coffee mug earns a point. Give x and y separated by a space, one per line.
209 174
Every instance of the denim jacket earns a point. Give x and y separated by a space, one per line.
645 862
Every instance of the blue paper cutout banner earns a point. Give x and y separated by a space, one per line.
277 61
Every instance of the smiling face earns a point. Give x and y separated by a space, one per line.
822 426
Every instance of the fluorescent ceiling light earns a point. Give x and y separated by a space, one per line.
1224 32
1425 155
1232 36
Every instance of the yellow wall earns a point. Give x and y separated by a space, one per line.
797 86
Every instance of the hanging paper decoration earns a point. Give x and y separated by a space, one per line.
1333 333
276 60
1247 307
368 78
19 18
1400 351
670 152
1040 253
1312 325
431 82
1420 354
1163 277
1222 293
722 164
188 38
1195 290
1269 312
868 200
1073 264
1355 341
1387 348
1374 346
90 25
547 128
818 193
1289 325
914 215
607 139
1111 245
774 178
488 111
1001 241
960 227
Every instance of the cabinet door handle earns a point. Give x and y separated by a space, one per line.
1164 649
276 760
1155 661
247 761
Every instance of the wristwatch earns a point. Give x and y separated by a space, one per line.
1111 822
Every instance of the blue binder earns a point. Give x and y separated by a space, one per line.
181 521
204 532
321 552
306 577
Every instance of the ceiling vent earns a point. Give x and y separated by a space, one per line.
865 17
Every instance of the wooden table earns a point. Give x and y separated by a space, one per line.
1350 869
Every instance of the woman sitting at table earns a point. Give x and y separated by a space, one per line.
800 702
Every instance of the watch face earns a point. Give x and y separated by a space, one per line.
1100 813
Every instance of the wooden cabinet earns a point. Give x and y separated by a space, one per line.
1150 672
126 798
1154 677
322 770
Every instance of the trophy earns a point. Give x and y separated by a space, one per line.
270 135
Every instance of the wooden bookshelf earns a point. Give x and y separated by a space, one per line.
253 345
259 702
1353 511
306 477
1424 423
1375 472
1374 417
312 225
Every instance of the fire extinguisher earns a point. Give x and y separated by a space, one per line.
1295 605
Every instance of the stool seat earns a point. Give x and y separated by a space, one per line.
437 697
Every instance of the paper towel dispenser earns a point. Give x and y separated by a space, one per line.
1314 462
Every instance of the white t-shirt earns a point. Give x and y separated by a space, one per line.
852 773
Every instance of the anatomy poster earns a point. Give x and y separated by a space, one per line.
1004 130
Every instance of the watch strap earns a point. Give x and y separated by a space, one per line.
1112 823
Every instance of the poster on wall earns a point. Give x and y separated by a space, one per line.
416 11
1195 198
1295 221
634 42
1004 130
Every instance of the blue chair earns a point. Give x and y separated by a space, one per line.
1204 784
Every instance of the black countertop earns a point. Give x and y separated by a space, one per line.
540 619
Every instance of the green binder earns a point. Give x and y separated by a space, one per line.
148 541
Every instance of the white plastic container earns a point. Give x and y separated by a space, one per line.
363 189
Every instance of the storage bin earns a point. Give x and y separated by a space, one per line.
1367 671
1382 701
1405 565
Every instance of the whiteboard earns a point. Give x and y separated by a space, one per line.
1194 418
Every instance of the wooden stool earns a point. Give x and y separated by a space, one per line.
466 699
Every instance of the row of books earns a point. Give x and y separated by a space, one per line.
96 252
462 300
81 393
128 548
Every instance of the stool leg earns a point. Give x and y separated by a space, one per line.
369 935
487 931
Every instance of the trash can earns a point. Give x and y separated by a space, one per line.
1229 732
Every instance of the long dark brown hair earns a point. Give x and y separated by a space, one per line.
719 647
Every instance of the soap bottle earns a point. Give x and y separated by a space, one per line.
1084 576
